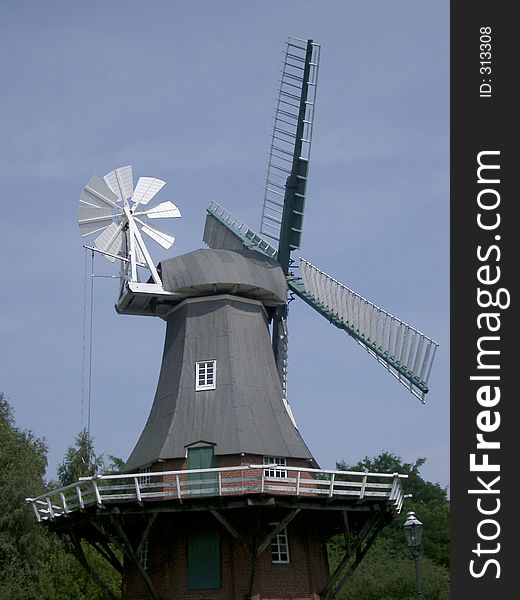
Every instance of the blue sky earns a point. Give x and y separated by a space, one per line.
185 91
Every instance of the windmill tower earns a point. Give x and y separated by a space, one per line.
221 498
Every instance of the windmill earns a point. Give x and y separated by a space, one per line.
221 496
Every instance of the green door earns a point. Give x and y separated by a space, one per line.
202 484
204 560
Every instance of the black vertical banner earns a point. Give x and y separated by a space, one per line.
485 246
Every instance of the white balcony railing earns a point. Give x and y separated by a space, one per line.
179 486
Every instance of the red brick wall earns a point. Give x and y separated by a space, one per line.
234 482
226 460
301 579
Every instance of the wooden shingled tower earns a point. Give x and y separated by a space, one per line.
221 498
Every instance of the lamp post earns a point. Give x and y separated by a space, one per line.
413 529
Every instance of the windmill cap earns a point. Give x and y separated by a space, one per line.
240 272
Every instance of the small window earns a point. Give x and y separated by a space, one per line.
279 461
143 555
145 479
205 375
280 548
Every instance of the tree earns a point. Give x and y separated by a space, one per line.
387 571
115 465
429 501
35 564
23 460
27 552
80 460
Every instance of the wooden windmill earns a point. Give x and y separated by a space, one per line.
221 498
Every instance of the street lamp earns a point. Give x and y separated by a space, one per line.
413 529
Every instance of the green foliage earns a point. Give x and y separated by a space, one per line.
65 579
429 501
80 460
387 572
115 465
22 466
35 564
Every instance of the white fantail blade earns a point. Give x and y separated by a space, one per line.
109 209
139 256
92 219
161 237
121 182
164 210
96 193
146 189
111 240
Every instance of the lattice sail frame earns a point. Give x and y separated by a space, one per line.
292 131
282 362
403 350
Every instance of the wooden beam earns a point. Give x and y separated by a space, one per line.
359 557
145 533
365 530
104 550
232 530
270 536
129 551
258 525
346 532
223 503
80 555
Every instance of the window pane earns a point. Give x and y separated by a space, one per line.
275 460
280 548
205 374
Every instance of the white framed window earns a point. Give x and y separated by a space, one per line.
278 461
143 554
280 548
145 479
205 375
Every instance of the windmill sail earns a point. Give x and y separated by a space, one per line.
284 195
288 165
406 352
403 350
281 358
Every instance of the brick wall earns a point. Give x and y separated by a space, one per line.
225 460
232 482
301 579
